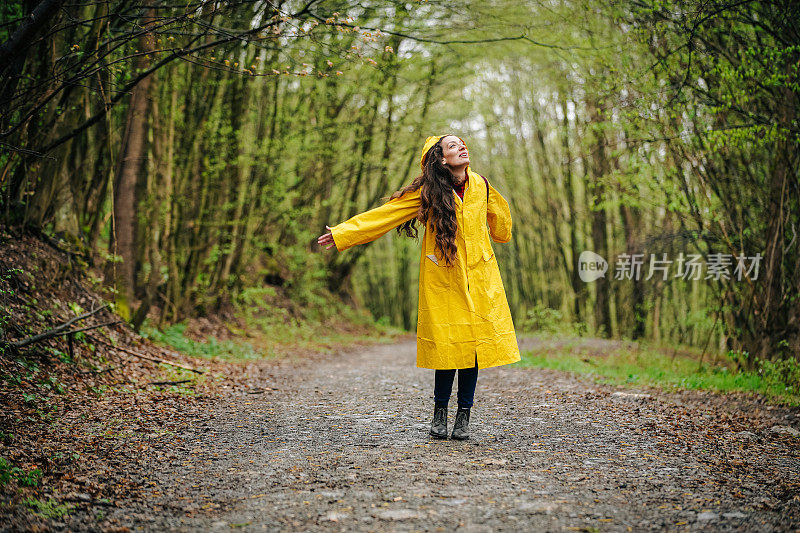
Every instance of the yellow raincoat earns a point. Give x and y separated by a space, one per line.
463 311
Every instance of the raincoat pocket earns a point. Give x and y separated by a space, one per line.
437 274
491 274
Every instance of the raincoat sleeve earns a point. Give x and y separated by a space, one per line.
369 225
498 214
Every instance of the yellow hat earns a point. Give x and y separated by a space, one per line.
430 141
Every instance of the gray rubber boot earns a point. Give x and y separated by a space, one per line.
461 426
439 423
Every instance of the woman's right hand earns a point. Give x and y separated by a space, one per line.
327 238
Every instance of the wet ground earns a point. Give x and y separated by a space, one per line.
341 443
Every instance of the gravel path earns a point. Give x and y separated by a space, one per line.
340 443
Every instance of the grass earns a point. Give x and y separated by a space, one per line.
174 336
651 366
272 332
264 341
49 508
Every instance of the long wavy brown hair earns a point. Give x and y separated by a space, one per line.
436 203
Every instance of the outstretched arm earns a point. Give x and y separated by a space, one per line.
369 225
498 215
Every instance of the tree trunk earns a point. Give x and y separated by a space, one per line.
600 168
578 286
131 156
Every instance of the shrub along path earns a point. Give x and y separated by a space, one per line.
340 442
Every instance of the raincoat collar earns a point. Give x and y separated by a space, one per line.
466 188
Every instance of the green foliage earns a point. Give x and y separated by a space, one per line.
173 336
315 325
542 319
62 356
175 374
52 383
310 278
30 479
741 358
68 457
14 380
783 375
49 508
254 147
100 390
254 297
9 473
6 291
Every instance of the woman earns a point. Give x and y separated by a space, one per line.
463 322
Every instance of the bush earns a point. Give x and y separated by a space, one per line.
783 374
541 319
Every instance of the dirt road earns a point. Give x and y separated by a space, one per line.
340 443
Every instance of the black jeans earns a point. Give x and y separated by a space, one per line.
443 385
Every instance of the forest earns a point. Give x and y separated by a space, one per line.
172 331
194 151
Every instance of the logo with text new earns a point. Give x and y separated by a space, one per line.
591 266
